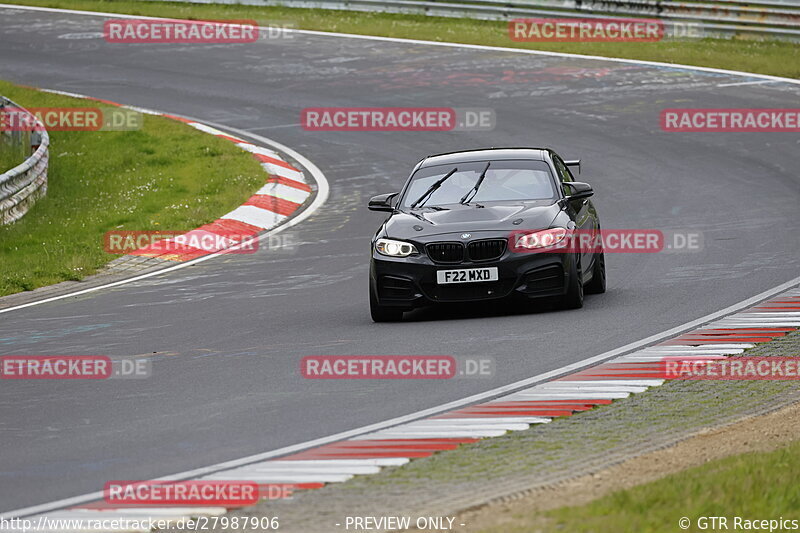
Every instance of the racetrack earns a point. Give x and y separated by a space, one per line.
227 335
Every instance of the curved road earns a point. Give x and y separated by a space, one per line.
226 336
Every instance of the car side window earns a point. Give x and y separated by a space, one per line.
563 172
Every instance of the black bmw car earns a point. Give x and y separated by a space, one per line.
483 225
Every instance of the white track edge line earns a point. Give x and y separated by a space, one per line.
307 212
323 189
512 387
432 43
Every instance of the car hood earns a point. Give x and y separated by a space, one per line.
419 223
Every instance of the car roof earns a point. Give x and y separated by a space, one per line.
485 154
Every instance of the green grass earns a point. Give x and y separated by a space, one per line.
11 155
751 485
777 58
14 149
165 176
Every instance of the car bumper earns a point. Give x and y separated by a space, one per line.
409 283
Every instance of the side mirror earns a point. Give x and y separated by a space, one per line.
574 163
382 202
577 190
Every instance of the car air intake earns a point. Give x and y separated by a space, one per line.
446 252
392 287
549 279
486 250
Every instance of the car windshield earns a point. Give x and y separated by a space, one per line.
507 181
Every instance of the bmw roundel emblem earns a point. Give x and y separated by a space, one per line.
466 235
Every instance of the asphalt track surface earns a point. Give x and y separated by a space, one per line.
226 336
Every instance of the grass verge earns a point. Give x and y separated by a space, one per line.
752 486
777 58
165 176
523 475
13 151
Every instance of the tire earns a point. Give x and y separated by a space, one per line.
598 283
381 313
574 297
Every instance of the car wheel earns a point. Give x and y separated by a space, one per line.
381 313
598 283
574 297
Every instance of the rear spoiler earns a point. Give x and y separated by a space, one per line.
574 163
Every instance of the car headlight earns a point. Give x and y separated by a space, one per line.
547 238
394 248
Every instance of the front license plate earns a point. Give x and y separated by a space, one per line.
468 275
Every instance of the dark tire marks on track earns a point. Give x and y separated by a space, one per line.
226 336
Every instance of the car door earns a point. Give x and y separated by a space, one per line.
582 212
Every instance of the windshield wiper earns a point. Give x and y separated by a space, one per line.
438 183
474 190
